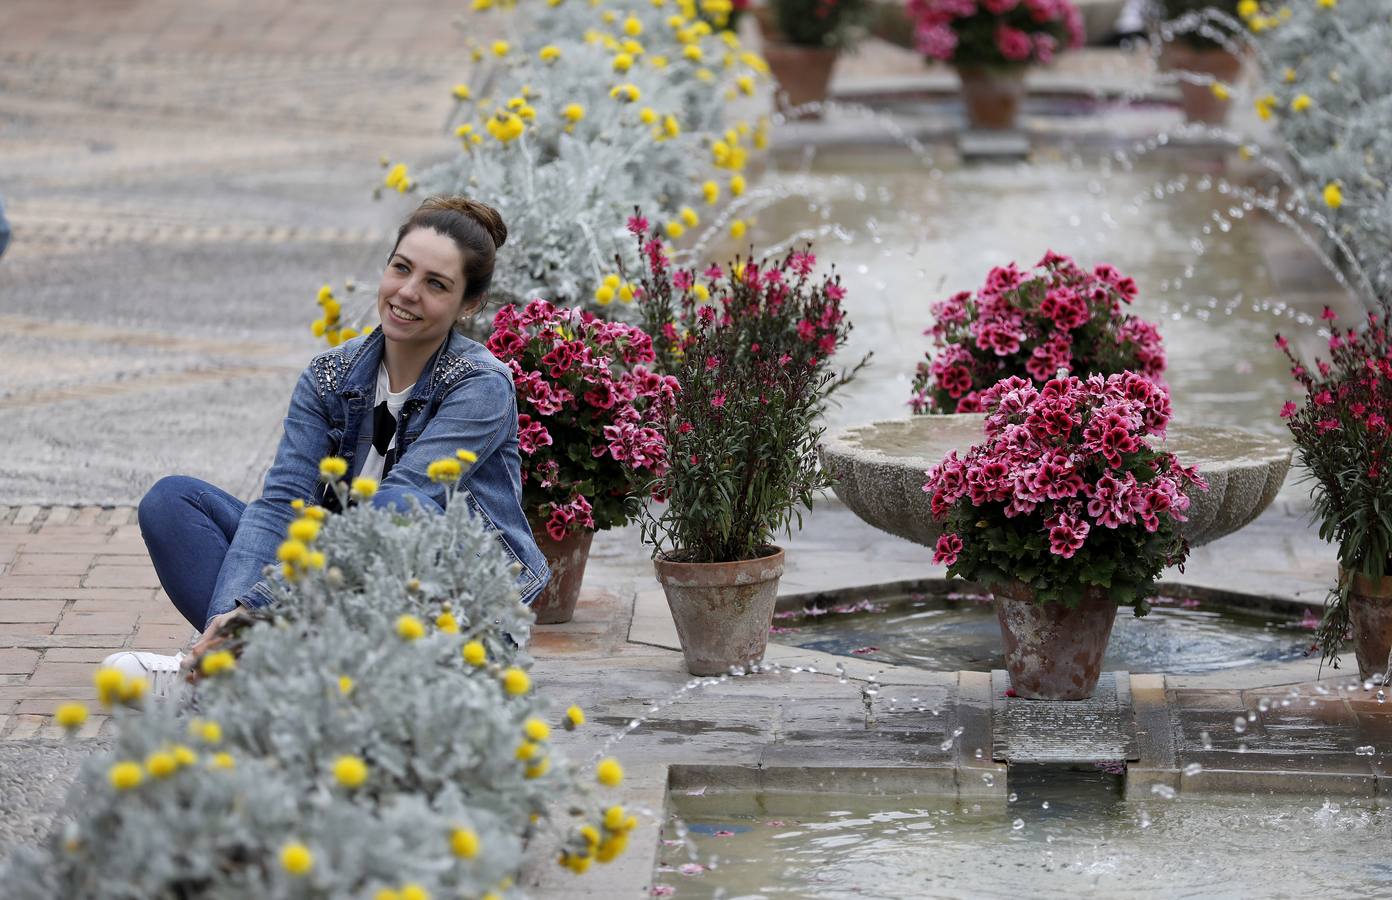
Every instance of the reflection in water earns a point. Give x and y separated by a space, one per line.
948 633
1064 834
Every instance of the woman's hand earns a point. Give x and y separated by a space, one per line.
210 638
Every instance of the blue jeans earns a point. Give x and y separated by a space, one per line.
188 525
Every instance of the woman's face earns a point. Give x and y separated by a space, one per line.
422 290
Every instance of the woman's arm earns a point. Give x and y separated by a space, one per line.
293 476
475 415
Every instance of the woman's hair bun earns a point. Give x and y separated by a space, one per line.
482 213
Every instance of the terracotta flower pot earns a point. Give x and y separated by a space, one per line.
1370 612
802 72
1053 652
992 96
723 611
1198 101
566 559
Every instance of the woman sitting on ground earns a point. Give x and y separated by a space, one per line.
389 402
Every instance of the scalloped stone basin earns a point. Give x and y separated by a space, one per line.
880 469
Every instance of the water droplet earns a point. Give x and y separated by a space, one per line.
978 753
1012 798
988 779
1044 805
1143 817
1164 791
1239 724
1368 750
946 745
1017 825
1193 769
957 732
1205 740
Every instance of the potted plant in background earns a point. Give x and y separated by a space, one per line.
752 346
1194 51
588 428
1065 512
802 39
991 43
1343 433
1033 324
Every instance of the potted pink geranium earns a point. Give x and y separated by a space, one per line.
991 43
589 421
1031 325
1066 511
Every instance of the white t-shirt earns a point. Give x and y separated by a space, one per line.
377 438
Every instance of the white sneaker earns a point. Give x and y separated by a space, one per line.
162 673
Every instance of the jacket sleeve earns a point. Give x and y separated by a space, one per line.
293 476
477 414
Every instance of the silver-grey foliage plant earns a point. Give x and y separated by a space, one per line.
333 671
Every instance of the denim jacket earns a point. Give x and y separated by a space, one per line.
464 399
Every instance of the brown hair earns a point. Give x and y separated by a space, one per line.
476 228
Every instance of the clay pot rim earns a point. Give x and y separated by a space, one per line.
665 558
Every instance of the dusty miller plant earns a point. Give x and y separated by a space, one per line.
241 790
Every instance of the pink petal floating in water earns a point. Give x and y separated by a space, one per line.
774 629
864 650
776 823
723 833
1190 603
663 890
667 843
787 614
692 869
1309 621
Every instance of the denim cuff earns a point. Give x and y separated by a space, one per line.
258 597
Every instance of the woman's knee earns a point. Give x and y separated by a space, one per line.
166 499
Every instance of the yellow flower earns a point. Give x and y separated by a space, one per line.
674 230
609 16
659 61
516 682
296 859
108 683
331 467
647 115
223 761
350 771
526 750
1248 8
628 93
466 456
217 662
1328 4
206 731
623 62
125 775
464 842
396 176
704 74
536 729
184 756
364 488
1333 195
474 653
689 217
550 53
670 126
505 126
444 470
132 689
611 280
412 891
501 48
692 52
737 186
573 112
325 293
304 530
345 685
480 5
292 552
1288 75
632 47
632 27
626 293
317 513
614 818
315 560
538 768
745 84
409 628
604 295
70 715
1264 106
738 229
317 327
609 772
700 290
447 623
1220 90
710 191
161 765
462 92
386 894
1301 102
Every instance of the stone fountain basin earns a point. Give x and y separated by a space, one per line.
880 469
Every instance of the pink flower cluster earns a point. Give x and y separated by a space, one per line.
1065 458
995 32
581 381
1059 316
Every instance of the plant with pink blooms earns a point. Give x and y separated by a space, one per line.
1343 432
590 413
995 33
1066 492
1032 325
751 345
